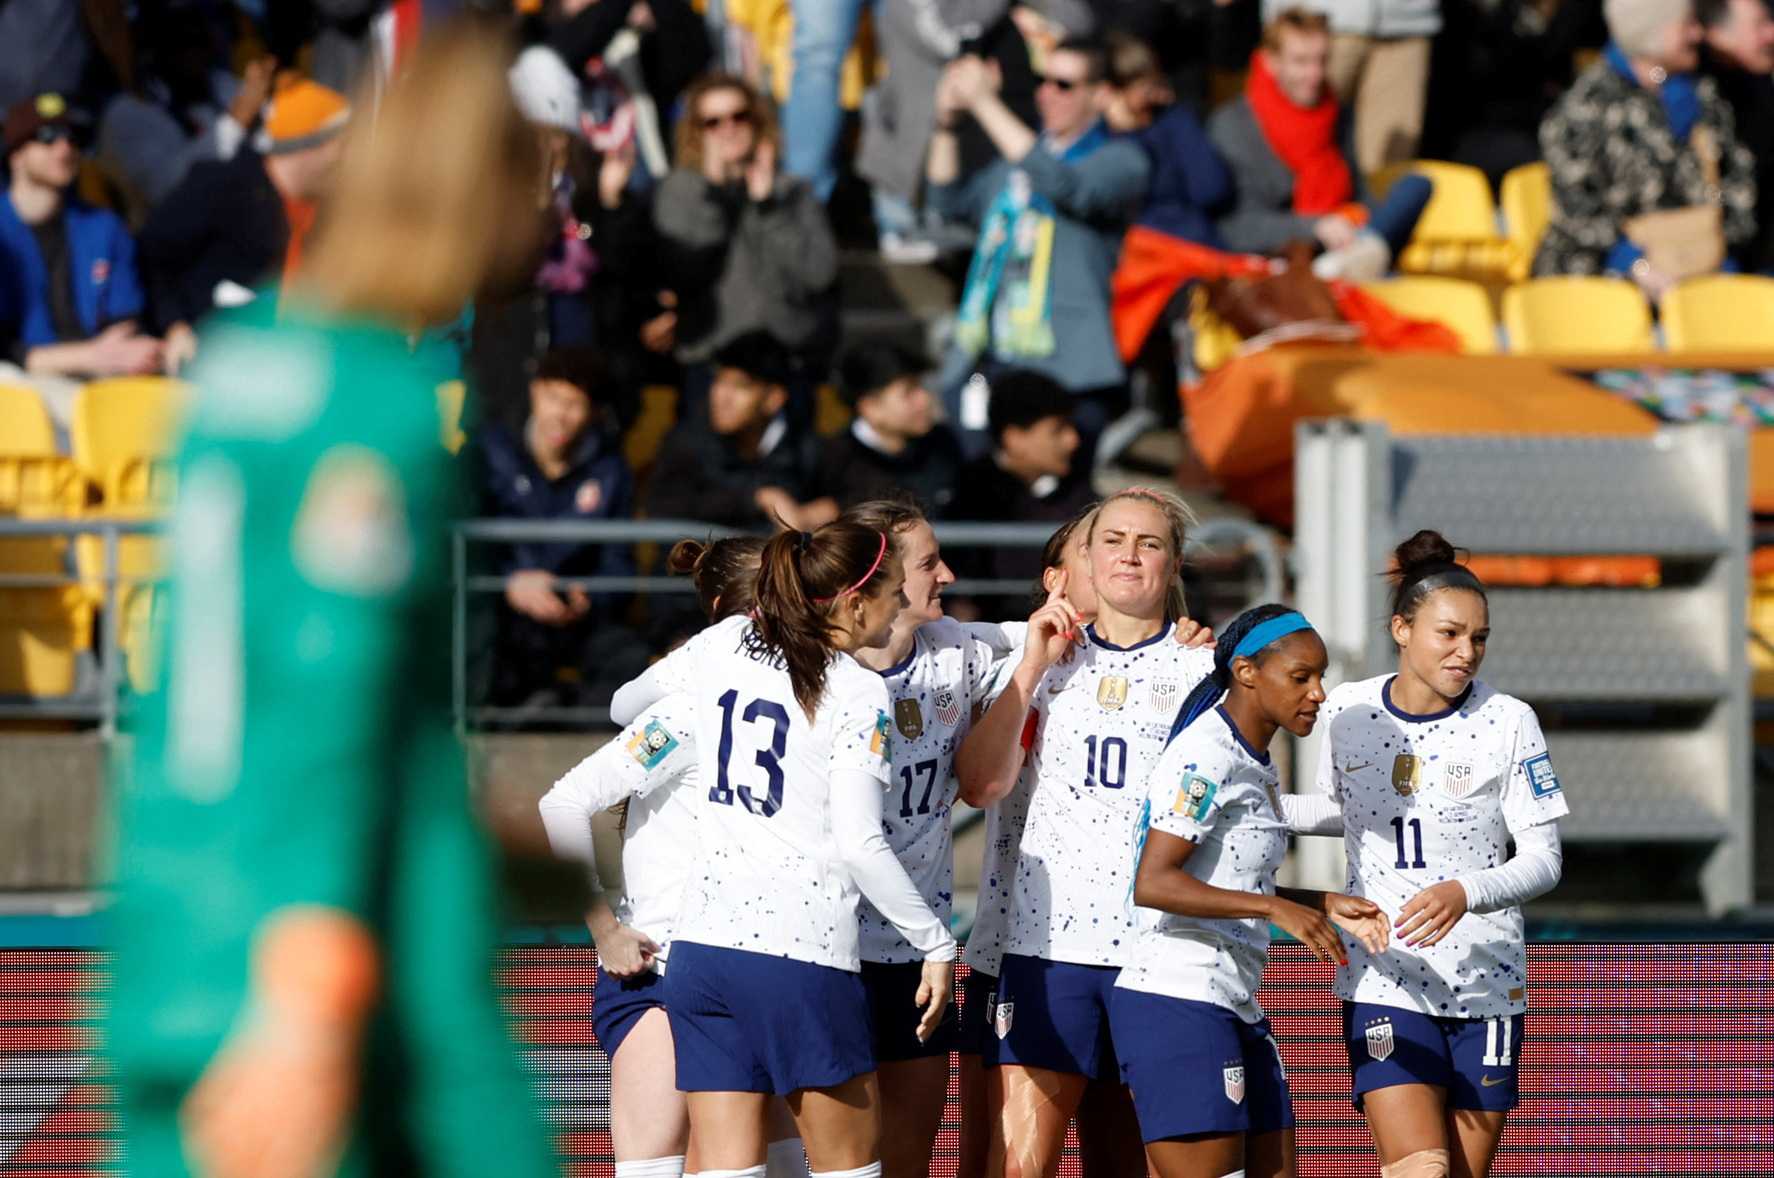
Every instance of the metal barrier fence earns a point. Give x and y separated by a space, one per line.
1636 1059
97 697
1257 542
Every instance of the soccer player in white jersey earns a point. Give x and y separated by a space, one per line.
764 990
936 673
1195 1047
1435 773
1093 727
651 766
1108 1141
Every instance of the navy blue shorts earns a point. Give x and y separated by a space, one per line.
618 1004
750 1022
1198 1068
894 1013
979 995
1054 1015
1473 1058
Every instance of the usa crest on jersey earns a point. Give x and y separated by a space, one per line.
1379 1040
1458 779
1234 1078
1163 694
1002 1017
947 709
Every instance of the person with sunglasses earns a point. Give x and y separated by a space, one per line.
744 246
1056 202
70 293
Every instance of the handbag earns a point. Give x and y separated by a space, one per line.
1292 295
1681 243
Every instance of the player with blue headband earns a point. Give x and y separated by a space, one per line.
1195 1047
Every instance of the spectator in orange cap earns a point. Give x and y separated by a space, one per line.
233 229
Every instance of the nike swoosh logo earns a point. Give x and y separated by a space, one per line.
1353 768
1490 1083
1057 690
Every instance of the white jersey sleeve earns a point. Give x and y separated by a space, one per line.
651 764
673 674
1532 796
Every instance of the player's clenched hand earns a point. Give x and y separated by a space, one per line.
1312 929
935 990
1194 635
1429 914
1052 629
1362 918
625 952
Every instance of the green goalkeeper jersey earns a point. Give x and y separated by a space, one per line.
298 751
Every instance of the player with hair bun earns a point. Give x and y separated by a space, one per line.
1091 726
1435 773
650 768
1195 1047
792 747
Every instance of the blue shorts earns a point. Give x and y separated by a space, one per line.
750 1022
618 1004
1054 1015
1475 1059
1198 1068
979 994
894 1013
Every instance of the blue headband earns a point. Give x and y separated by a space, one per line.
1263 633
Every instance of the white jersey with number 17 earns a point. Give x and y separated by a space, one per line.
1427 799
768 876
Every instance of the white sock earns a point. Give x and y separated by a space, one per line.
672 1167
748 1172
872 1170
787 1159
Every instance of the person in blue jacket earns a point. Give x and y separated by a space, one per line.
70 293
1189 180
561 464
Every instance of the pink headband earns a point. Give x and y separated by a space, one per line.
873 568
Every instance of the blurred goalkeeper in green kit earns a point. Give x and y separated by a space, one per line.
305 924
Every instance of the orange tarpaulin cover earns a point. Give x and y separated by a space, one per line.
1241 417
1154 266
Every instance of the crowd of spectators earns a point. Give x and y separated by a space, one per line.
167 160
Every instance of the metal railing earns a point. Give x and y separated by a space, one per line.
1257 542
97 694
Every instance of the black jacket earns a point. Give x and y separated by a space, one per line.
699 475
852 472
225 221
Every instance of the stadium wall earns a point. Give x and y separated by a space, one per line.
1638 1059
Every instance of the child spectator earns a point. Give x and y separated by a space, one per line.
742 465
563 464
69 292
894 445
1029 475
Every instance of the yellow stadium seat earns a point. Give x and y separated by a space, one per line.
1457 233
1720 312
1463 307
659 411
1215 340
41 627
1576 316
124 432
1527 209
